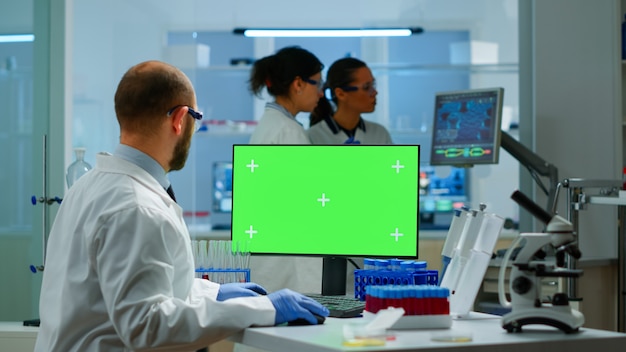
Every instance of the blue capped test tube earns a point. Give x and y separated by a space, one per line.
381 264
395 264
369 264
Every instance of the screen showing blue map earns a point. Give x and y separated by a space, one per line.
466 129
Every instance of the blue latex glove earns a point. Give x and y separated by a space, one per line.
239 289
291 305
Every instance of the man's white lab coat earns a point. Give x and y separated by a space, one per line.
119 272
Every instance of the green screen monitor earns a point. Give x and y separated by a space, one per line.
333 201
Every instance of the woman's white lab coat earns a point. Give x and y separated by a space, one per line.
119 272
300 274
275 127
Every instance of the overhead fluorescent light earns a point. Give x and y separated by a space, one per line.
327 32
16 38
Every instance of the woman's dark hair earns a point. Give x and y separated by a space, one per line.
340 74
276 72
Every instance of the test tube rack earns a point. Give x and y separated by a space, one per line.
366 277
414 299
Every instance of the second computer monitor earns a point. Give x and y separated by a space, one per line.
466 129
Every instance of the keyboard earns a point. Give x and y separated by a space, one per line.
340 306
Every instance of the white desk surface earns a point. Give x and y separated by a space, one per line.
486 330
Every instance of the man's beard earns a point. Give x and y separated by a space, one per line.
181 150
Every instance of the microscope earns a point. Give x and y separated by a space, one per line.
529 267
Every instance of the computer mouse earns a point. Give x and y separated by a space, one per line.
302 321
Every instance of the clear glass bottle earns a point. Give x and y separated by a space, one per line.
78 168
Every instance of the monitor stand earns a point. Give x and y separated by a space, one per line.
334 276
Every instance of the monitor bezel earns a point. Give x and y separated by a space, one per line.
497 129
330 255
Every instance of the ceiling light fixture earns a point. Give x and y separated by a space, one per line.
16 38
328 32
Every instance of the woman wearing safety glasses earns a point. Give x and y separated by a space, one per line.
353 91
293 76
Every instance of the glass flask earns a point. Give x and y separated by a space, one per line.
78 168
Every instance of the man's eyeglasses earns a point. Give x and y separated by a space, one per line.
197 115
370 88
319 84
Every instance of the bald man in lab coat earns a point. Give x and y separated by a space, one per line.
119 272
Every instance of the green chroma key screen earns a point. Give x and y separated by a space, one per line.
326 199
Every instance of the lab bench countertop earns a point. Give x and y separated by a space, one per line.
487 335
485 330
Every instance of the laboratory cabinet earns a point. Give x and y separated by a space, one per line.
572 114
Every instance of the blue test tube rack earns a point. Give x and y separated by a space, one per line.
366 277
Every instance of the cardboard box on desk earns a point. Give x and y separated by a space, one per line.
187 56
473 53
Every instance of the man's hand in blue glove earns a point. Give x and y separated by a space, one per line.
237 289
291 305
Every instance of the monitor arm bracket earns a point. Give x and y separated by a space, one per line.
532 161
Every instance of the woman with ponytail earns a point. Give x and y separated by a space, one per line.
293 76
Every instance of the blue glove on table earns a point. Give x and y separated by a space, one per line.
291 305
239 289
